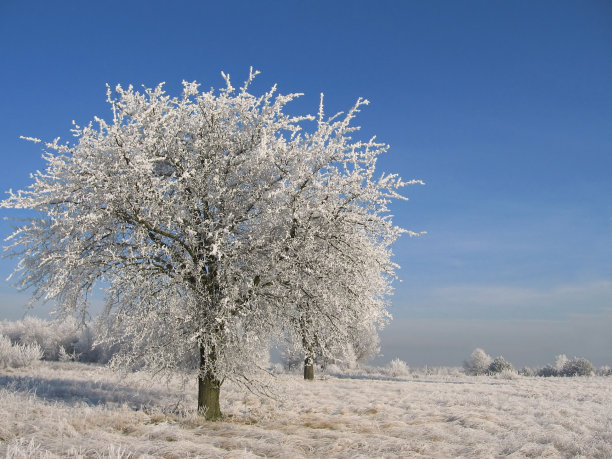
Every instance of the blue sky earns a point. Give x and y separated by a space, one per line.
503 108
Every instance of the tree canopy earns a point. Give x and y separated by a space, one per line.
216 223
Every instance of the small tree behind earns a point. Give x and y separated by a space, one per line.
361 345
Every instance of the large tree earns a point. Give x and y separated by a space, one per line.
214 222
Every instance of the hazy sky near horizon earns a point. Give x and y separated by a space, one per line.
504 109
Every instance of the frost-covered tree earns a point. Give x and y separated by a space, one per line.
560 362
215 222
342 292
361 344
478 363
365 344
337 258
500 365
577 366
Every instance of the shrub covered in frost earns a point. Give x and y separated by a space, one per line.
61 339
526 371
51 336
604 371
566 367
506 374
560 362
478 363
548 371
16 355
500 365
577 367
65 356
398 367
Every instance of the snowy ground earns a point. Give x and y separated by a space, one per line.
77 410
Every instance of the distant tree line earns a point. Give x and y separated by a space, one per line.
480 363
25 341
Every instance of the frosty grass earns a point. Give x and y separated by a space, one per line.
77 410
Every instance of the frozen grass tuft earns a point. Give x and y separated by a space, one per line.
21 449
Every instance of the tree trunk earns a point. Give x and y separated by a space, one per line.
208 397
209 388
309 368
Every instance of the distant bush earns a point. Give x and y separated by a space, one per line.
478 363
436 371
548 371
526 371
500 365
398 367
566 367
577 367
15 355
506 374
62 339
65 356
51 336
604 371
560 362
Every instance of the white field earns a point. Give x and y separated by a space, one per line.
76 410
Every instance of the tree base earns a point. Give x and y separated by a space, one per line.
308 372
208 398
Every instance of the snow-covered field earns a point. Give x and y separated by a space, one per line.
76 410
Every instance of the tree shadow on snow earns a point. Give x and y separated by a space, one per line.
73 391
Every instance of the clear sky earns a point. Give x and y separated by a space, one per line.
504 109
